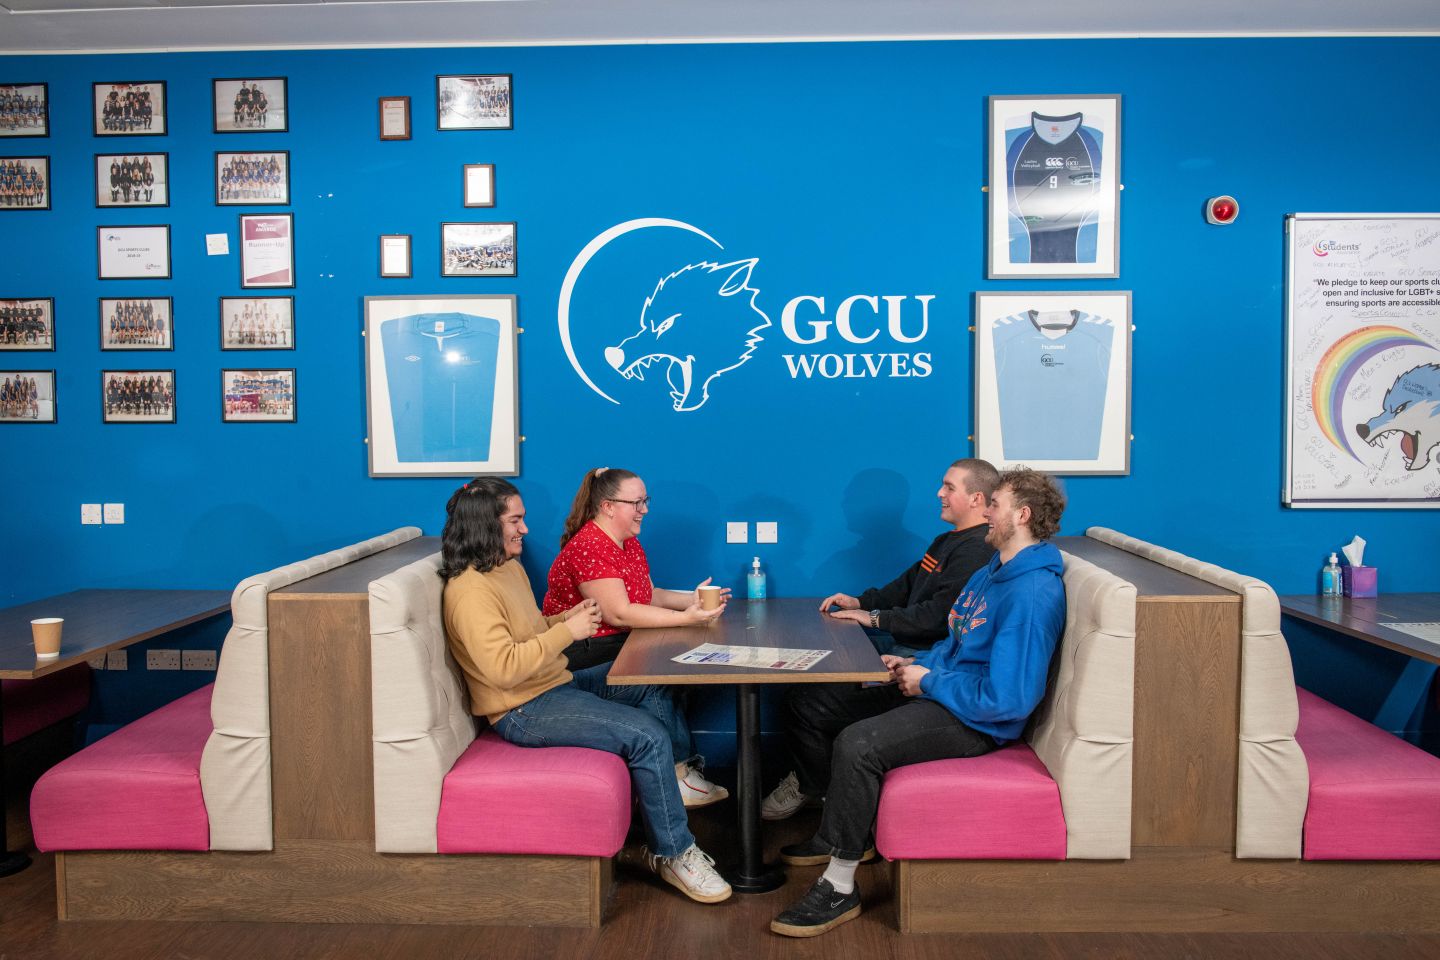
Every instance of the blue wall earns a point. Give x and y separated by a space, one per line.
843 168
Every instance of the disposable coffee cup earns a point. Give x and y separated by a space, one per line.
709 598
46 631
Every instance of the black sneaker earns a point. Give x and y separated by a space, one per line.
812 853
821 909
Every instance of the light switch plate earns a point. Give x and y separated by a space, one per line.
767 531
737 532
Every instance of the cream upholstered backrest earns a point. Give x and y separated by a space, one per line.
1273 779
420 713
1083 731
235 767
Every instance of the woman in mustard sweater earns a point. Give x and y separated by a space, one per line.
515 668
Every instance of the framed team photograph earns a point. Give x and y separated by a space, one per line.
252 179
461 347
474 102
267 250
134 253
27 323
1052 381
395 255
1054 187
130 109
132 179
24 110
477 249
479 184
251 105
27 396
24 183
137 396
138 323
257 323
257 396
394 118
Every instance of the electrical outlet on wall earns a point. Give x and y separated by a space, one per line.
197 660
114 513
162 660
117 660
96 663
90 513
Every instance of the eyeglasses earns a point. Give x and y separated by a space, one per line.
642 504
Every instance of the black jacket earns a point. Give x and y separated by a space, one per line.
915 606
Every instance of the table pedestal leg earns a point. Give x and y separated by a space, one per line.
751 875
9 862
1403 708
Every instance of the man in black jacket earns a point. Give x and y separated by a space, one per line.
907 615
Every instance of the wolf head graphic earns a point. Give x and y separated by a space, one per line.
702 321
1412 409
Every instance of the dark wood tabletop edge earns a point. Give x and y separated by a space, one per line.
1377 633
762 675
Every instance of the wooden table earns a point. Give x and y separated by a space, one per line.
1368 619
790 622
96 622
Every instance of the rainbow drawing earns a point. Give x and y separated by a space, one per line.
1338 367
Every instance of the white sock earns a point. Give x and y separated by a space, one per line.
841 874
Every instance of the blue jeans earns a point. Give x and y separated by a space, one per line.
885 643
625 721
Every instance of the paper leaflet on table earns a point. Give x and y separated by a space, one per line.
1424 630
774 658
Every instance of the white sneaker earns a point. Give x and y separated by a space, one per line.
693 873
784 800
696 791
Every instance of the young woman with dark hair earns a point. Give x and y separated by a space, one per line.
511 656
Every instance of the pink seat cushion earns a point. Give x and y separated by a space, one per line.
1372 795
500 798
33 705
1002 806
137 789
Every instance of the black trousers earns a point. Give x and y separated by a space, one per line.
583 654
844 738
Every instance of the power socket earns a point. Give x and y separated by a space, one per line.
197 660
162 660
117 660
96 663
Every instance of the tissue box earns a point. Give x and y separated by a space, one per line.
1359 581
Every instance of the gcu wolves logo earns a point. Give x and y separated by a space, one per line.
701 321
1411 409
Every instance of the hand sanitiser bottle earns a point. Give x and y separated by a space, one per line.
1330 583
755 581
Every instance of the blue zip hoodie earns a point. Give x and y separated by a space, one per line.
991 670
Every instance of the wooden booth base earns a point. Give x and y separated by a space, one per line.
333 882
1167 890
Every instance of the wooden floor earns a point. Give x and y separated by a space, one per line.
646 919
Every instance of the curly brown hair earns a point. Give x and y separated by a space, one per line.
1041 493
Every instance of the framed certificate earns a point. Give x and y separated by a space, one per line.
1054 187
395 255
267 250
479 184
394 118
134 253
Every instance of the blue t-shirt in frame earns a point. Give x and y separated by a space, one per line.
1052 371
1053 168
440 370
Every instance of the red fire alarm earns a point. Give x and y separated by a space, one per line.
1221 210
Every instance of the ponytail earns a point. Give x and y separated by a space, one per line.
597 486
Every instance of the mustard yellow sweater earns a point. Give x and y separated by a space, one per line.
508 651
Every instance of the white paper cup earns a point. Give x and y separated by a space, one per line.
46 631
709 598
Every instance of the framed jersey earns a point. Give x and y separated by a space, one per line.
1052 381
1054 187
442 395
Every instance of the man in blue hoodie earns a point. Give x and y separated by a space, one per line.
969 694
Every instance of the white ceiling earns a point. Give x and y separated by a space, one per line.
60 26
